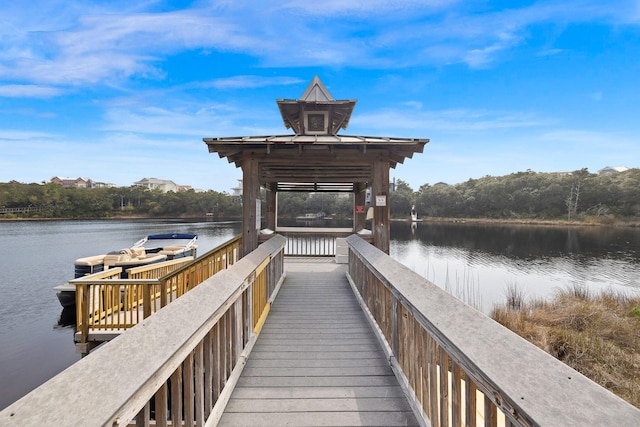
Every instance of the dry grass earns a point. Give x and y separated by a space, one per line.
597 335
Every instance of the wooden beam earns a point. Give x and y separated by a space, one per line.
272 207
250 201
360 198
380 201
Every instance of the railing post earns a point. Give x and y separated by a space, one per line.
395 339
249 315
84 318
147 290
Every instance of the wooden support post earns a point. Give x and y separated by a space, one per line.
250 203
272 208
380 201
360 218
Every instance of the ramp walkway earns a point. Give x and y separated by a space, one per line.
317 361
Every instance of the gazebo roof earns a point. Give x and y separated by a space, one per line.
316 157
316 99
316 163
233 147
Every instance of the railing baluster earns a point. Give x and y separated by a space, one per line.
176 397
490 413
433 382
470 402
456 397
199 384
188 390
143 417
217 359
208 373
161 406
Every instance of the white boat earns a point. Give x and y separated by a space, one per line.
312 216
141 253
414 215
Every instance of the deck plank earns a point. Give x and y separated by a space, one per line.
317 361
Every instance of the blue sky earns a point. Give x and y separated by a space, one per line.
117 91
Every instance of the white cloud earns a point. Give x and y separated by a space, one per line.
87 44
576 136
29 91
23 135
248 82
458 121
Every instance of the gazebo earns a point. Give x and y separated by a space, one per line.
315 158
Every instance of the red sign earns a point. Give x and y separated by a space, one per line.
360 209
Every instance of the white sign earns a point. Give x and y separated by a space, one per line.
381 200
258 214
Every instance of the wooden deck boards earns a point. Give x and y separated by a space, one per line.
317 361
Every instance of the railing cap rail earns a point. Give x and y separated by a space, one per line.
156 265
537 386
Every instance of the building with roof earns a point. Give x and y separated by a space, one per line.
315 158
612 169
79 182
164 185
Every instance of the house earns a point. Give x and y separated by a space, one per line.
72 182
163 185
612 169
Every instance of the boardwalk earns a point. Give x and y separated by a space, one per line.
317 361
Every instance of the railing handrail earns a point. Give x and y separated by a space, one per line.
100 275
112 386
530 386
229 243
151 268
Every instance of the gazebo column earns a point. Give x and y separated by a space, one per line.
360 198
272 206
250 203
380 201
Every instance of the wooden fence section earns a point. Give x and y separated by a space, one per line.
461 367
311 242
177 367
25 209
106 305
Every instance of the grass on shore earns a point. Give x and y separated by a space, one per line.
597 335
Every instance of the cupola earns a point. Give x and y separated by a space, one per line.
316 112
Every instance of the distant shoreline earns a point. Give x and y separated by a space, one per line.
491 221
536 222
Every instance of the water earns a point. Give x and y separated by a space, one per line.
481 261
475 260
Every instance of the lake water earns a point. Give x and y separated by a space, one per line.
477 262
474 262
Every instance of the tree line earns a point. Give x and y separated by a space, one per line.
524 195
56 201
575 195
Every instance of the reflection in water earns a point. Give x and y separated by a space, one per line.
538 259
67 316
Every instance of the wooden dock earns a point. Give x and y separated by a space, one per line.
317 360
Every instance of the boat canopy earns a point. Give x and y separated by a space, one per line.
171 236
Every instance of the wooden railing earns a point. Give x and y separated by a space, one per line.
462 368
105 303
312 243
177 367
25 209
